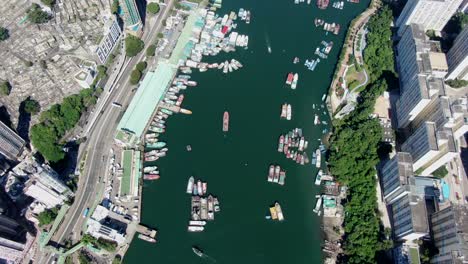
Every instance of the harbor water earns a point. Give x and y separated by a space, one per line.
235 164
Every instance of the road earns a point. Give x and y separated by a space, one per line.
99 142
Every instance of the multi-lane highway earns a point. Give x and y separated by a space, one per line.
99 141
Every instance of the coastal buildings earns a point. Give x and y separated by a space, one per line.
11 145
431 14
132 18
100 226
112 34
457 57
409 217
394 176
450 234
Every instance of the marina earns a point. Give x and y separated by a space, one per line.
221 155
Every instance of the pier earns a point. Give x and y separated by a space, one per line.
146 231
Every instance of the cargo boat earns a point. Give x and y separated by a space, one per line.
190 184
147 238
226 121
279 212
271 173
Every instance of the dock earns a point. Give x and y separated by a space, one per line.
146 231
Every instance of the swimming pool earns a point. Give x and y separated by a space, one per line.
445 190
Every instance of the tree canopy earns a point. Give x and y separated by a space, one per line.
141 66
457 83
135 76
47 216
378 55
4 34
115 7
133 45
150 51
153 8
37 16
31 106
5 88
49 3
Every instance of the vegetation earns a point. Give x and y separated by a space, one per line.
160 35
427 250
37 16
457 83
441 172
4 34
117 259
135 76
31 106
5 88
153 8
115 7
150 51
55 122
99 243
49 3
133 45
47 216
28 63
141 66
84 258
378 55
102 71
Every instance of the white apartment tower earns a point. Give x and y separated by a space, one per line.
457 57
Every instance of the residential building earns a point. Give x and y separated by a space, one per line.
394 176
409 217
457 57
10 251
99 227
48 197
429 148
421 67
450 234
132 19
432 14
112 34
11 145
85 77
11 229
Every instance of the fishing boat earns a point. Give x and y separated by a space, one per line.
273 213
226 121
271 173
147 238
289 78
277 173
150 177
319 156
204 187
279 212
322 4
318 204
281 143
199 187
318 178
185 111
294 82
284 109
288 112
282 177
195 229
190 185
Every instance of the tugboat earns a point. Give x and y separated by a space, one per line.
198 252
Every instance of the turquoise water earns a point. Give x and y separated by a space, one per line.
445 190
235 165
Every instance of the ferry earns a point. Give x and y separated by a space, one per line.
226 121
195 228
294 82
277 173
271 173
279 212
150 177
289 79
281 143
284 109
190 185
273 213
318 155
146 238
318 178
282 177
288 112
197 223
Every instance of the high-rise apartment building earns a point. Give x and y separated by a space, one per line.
457 57
112 34
11 145
132 19
394 176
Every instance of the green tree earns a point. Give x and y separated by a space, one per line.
135 76
49 3
115 7
457 83
160 35
141 66
102 71
31 106
45 138
117 259
84 258
5 88
4 34
133 45
152 8
47 216
150 51
441 172
378 55
37 16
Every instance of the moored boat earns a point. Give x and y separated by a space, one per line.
294 82
147 238
273 213
271 173
281 143
190 184
277 173
284 109
279 211
289 78
282 177
288 112
150 177
318 155
195 228
226 121
318 178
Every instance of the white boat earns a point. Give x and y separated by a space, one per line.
316 120
288 112
319 156
318 178
190 185
197 223
195 228
318 204
221 66
294 82
199 187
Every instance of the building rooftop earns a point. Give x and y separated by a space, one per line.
438 61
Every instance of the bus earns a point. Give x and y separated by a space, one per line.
116 104
86 212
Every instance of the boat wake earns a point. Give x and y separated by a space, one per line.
207 257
